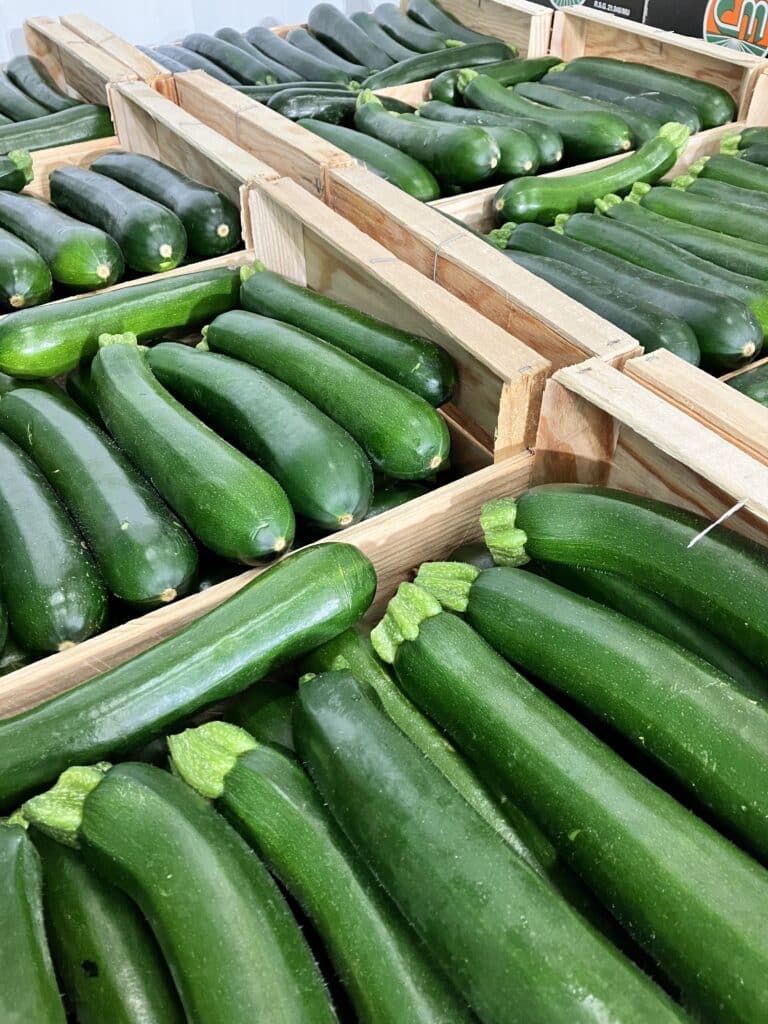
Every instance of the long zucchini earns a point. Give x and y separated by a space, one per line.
346 37
729 218
643 128
278 72
169 63
381 39
77 124
408 32
722 191
196 62
334 107
25 279
733 171
15 104
233 59
304 64
428 65
310 44
443 87
743 139
425 12
755 155
30 75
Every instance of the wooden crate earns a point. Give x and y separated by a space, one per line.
598 427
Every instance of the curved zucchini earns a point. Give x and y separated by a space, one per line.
41 343
403 436
346 37
144 555
385 160
266 711
15 170
381 39
232 945
105 955
433 16
416 363
25 279
409 33
15 104
277 71
233 59
151 237
30 75
753 383
228 502
428 65
196 62
729 218
78 124
733 171
48 581
309 44
643 128
325 474
169 63
303 64
211 221
443 87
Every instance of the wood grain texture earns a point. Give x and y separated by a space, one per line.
79 154
133 59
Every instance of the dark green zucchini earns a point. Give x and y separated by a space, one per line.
107 959
307 104
15 170
428 65
393 495
729 218
721 191
416 363
16 104
196 62
262 93
403 436
3 627
230 504
145 557
233 59
518 153
169 63
31 76
755 155
381 39
48 581
277 71
650 325
211 221
346 37
309 44
79 387
41 343
425 12
78 124
406 31
151 236
382 159
753 383
266 711
733 171
233 947
506 72
643 128
304 64
13 657
25 279
743 139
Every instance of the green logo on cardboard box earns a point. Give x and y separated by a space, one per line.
566 3
738 25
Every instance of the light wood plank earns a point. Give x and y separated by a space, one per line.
79 154
147 69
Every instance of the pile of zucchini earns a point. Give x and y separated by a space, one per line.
473 812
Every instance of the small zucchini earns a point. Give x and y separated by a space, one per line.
381 39
25 279
16 104
428 65
277 72
406 31
196 62
346 37
30 75
304 64
733 171
643 128
309 44
78 124
15 171
443 87
728 218
233 59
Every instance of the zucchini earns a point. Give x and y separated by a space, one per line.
342 34
277 71
31 76
79 124
753 383
232 945
266 712
25 279
270 801
393 495
233 59
211 221
721 191
13 657
403 436
79 387
106 957
29 993
425 12
651 326
755 155
643 128
726 329
48 581
195 62
169 63
15 171
380 158
410 33
705 733
443 87
733 171
715 105
307 104
309 44
305 65
145 557
416 363
457 154
587 135
230 504
305 600
521 953
41 343
3 627
518 153
729 218
743 139
262 93
429 65
325 474
587 800
543 199
379 38
15 103
151 237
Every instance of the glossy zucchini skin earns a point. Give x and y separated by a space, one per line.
377 783
643 128
211 221
721 191
169 63
151 237
77 124
29 991
263 93
273 805
384 160
416 363
233 59
25 279
30 75
106 957
15 104
40 343
729 218
145 557
746 137
443 87
196 62
753 383
518 154
277 71
428 65
401 433
735 171
430 14
409 33
649 324
309 44
49 583
342 34
393 495
266 713
755 155
304 64
15 171
325 474
13 657
381 39
79 387
230 504
307 104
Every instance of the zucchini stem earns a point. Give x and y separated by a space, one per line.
730 145
639 189
23 161
205 756
505 542
410 606
607 203
448 582
59 811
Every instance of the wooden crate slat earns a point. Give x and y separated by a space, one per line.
79 154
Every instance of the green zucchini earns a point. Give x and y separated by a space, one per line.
733 171
15 171
196 62
721 191
106 957
406 31
298 104
78 124
385 160
29 993
588 800
393 495
587 135
518 153
643 128
145 557
277 72
13 657
520 952
715 105
755 155
416 363
266 712
169 63
726 329
428 65
309 44
262 93
743 139
31 76
230 504
211 221
346 37
232 945
457 154
729 218
16 104
303 601
25 279
48 581
403 436
41 343
381 39
443 87
753 383
304 64
651 326
3 627
325 474
233 59
270 801
425 12
79 387
151 237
